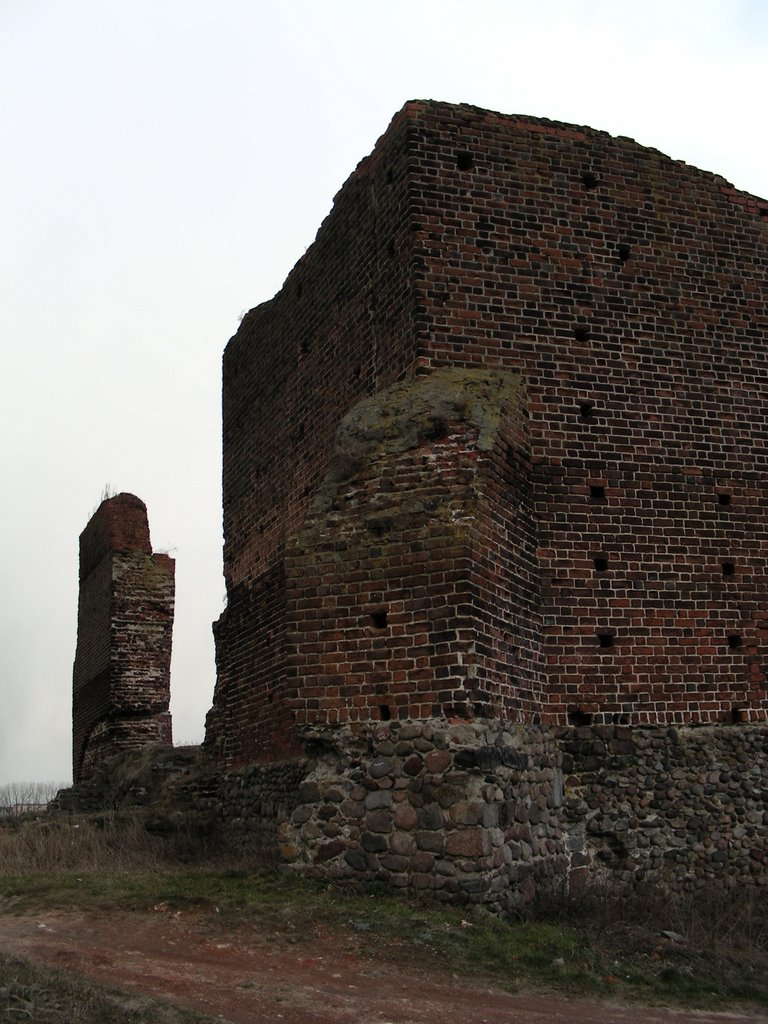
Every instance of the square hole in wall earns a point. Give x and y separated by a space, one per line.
596 492
735 640
578 717
723 498
606 639
601 563
379 619
728 568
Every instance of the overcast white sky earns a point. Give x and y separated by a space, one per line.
164 163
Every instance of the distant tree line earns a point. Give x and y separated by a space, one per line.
23 797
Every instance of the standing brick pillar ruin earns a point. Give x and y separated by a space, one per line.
121 680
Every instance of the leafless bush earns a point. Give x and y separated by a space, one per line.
24 797
724 918
121 841
98 843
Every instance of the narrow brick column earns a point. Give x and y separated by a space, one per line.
121 679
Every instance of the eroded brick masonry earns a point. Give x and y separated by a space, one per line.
121 680
497 450
494 532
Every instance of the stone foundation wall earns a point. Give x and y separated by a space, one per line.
481 812
249 805
496 813
678 806
469 811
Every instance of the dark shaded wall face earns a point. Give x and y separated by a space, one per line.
339 331
121 679
617 563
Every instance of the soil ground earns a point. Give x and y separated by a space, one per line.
242 975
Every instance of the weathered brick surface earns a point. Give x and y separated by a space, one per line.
121 679
385 576
614 568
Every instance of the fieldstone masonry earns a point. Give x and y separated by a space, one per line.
494 812
468 811
681 806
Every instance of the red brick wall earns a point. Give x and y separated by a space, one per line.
340 329
554 232
385 584
628 291
121 680
507 607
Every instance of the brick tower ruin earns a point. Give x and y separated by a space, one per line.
495 543
121 680
498 448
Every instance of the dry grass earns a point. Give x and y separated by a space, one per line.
104 842
723 918
30 992
708 946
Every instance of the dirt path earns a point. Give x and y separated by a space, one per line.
247 977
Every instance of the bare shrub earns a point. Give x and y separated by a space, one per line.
123 841
724 919
27 797
106 842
